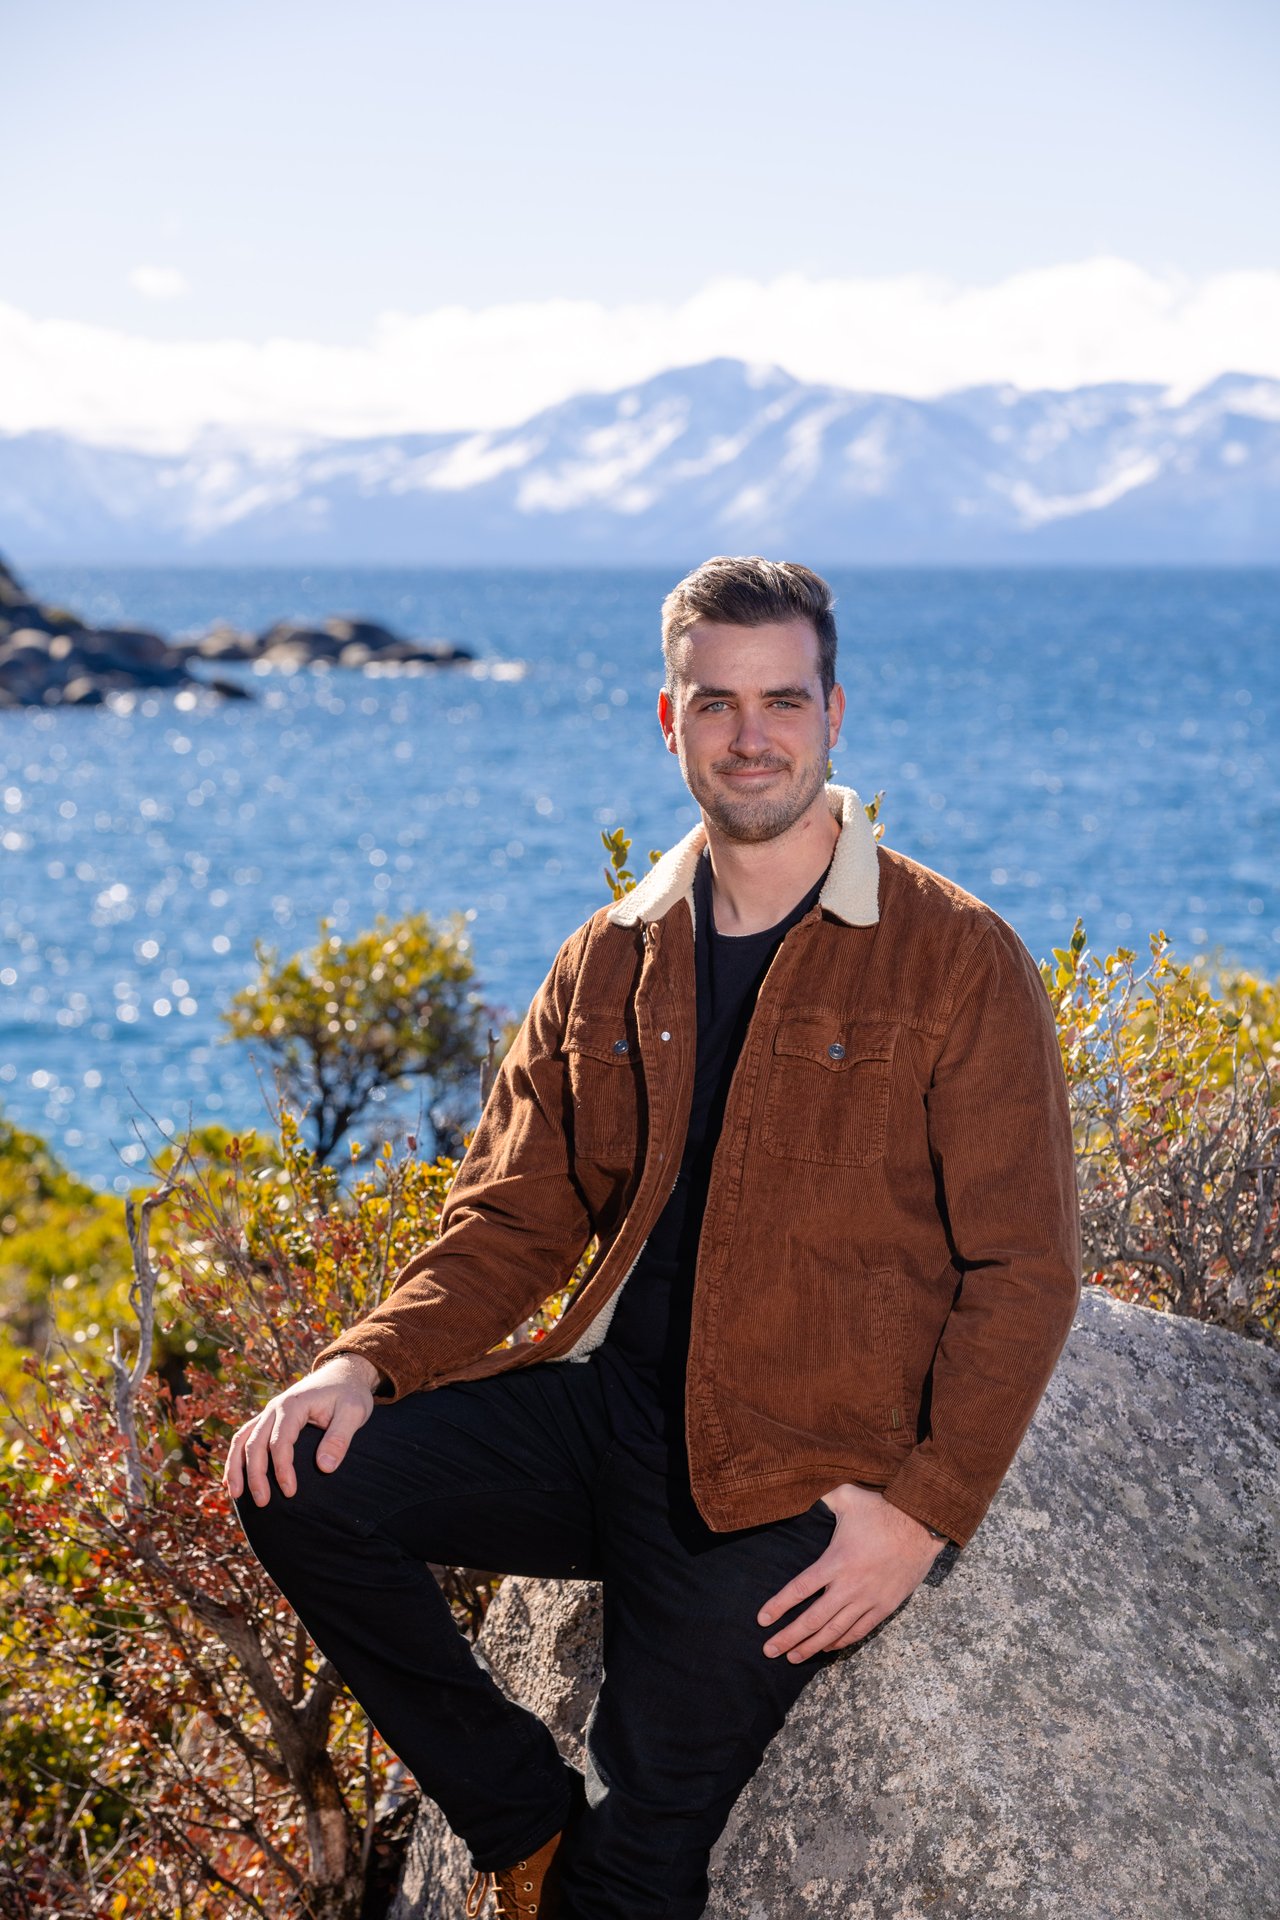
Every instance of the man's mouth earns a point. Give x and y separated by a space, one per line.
749 773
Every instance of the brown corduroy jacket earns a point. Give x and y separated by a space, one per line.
890 1254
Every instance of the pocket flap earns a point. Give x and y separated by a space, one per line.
833 1043
601 1036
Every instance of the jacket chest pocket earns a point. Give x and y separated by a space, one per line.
604 1071
827 1098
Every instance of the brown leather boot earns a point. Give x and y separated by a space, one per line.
528 1891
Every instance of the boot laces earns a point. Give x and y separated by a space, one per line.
506 1888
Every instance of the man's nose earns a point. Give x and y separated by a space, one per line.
751 737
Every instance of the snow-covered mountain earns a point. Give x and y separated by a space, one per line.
714 458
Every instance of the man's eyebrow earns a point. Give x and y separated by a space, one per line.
697 692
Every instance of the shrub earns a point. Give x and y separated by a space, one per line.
350 1019
200 1754
1174 1094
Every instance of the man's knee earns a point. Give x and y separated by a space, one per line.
316 1504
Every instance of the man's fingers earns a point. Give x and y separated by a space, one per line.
808 1623
256 1456
233 1472
285 1428
861 1627
807 1581
846 1625
830 1633
348 1418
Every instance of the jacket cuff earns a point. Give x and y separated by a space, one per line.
372 1344
929 1494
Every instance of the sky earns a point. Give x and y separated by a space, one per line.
328 219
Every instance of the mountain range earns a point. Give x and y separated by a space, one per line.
715 458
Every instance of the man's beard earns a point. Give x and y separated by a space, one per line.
750 817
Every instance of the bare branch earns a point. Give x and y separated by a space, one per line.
142 1298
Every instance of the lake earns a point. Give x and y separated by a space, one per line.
1100 743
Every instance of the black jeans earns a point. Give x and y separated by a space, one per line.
526 1473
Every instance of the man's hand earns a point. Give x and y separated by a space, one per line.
877 1556
338 1395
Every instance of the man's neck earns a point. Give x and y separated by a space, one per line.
754 884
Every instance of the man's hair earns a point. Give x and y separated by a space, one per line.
745 591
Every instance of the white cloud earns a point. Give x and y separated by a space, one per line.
159 283
455 367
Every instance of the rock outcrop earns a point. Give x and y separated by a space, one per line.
339 642
1075 1718
49 657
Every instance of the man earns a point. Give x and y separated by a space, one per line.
807 1097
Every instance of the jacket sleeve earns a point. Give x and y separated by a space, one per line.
514 1224
1000 1138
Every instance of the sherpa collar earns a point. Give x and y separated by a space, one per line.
851 891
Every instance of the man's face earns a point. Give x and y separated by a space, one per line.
749 724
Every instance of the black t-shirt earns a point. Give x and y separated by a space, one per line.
646 1346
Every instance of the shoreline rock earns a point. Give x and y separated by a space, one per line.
50 657
342 641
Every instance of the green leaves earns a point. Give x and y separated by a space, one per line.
354 1017
618 876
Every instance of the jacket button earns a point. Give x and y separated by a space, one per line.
836 1050
620 1046
666 1036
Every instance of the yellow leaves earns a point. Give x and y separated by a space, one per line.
1175 1114
618 877
1164 1022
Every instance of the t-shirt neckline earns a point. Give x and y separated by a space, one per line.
742 939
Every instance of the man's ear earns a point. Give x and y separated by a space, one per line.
835 712
667 720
